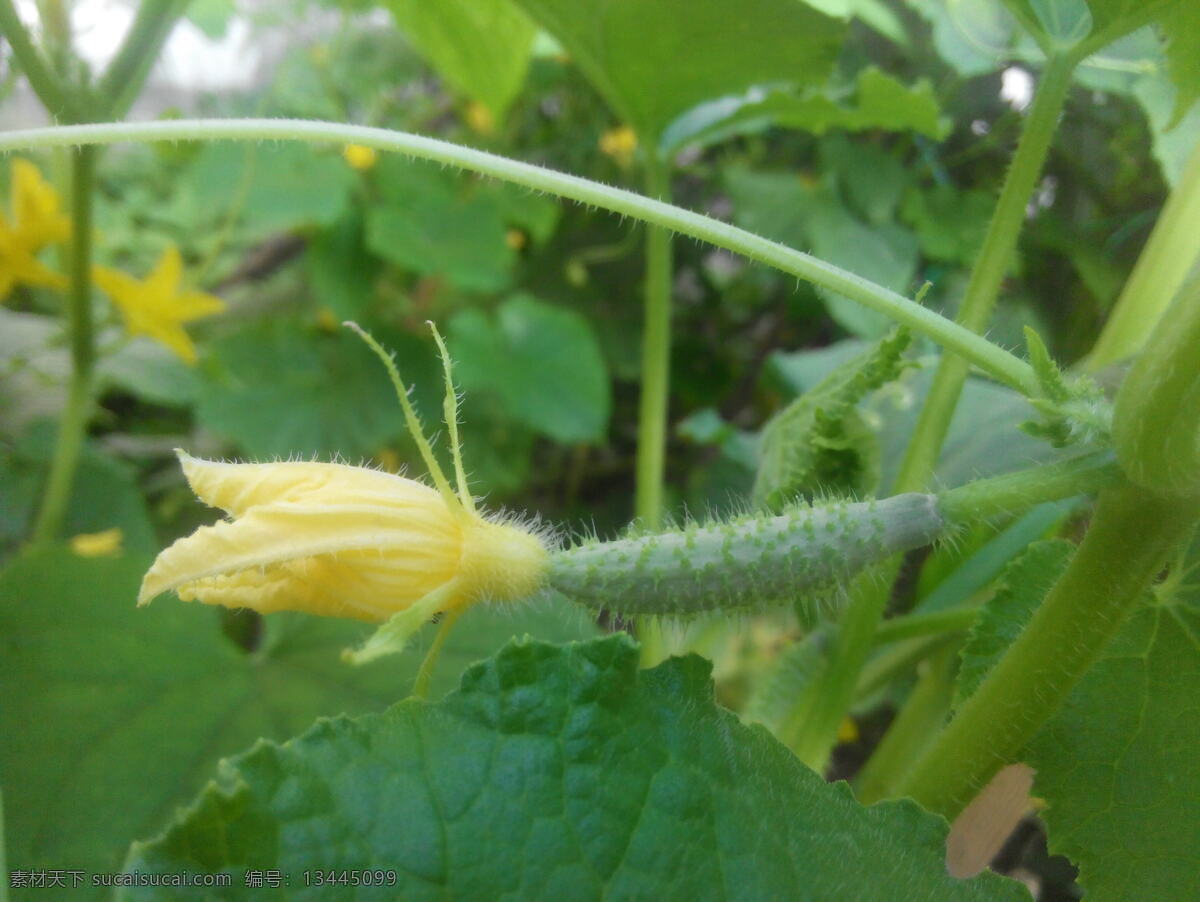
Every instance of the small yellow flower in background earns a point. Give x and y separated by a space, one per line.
98 544
620 143
479 118
847 730
359 157
326 321
156 306
36 221
516 239
348 541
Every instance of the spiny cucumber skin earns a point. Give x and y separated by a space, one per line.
744 563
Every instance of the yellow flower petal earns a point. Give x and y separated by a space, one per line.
287 531
36 212
236 488
155 306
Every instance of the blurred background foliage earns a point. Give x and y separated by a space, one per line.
873 134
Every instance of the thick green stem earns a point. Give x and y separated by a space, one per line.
1156 420
913 729
656 379
935 623
73 423
869 593
656 357
53 94
994 260
1130 537
1160 270
979 351
1013 493
832 695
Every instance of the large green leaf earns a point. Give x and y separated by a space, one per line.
559 773
112 716
879 102
285 390
542 362
481 47
341 273
1118 765
654 61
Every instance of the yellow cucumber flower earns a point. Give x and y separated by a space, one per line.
36 221
156 306
349 541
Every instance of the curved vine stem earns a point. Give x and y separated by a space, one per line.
995 361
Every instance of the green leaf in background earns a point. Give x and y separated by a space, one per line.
875 13
871 178
878 102
481 47
272 188
433 222
1024 584
782 207
974 36
35 365
287 390
1066 23
114 715
148 370
1118 764
341 273
211 16
105 493
1173 138
654 61
557 773
542 362
886 254
950 223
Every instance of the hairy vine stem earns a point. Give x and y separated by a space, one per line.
995 361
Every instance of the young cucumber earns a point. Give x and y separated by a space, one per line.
744 563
